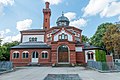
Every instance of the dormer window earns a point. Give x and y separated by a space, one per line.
33 39
30 39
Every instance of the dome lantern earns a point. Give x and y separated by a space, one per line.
63 21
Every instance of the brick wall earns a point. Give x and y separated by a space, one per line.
22 62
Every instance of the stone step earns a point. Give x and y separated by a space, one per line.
64 65
33 64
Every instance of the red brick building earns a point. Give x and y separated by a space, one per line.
60 44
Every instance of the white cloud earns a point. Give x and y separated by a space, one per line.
11 38
4 32
7 30
70 15
53 2
75 22
4 3
24 25
5 38
106 8
16 37
78 23
21 25
119 18
112 10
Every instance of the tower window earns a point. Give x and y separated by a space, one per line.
45 20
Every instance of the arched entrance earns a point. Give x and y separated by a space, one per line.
63 54
35 57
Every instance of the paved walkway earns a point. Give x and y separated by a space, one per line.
39 73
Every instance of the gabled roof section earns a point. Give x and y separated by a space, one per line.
69 27
63 29
66 29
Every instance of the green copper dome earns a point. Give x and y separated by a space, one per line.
63 21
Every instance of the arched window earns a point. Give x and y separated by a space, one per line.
15 54
35 39
90 55
35 54
44 54
30 39
66 37
25 54
63 36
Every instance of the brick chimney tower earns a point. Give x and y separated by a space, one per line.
47 14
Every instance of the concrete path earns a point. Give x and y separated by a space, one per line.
39 73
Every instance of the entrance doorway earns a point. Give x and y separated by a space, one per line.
35 57
63 54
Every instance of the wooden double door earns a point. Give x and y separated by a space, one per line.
63 54
63 57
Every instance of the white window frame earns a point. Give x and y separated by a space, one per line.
43 53
15 53
26 52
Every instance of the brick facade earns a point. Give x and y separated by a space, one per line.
51 36
23 62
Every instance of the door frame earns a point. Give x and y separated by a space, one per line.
37 59
68 55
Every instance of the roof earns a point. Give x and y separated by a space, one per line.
62 18
33 30
87 46
32 45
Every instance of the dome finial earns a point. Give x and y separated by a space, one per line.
62 13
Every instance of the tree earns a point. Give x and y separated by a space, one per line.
0 41
112 39
96 39
85 39
5 50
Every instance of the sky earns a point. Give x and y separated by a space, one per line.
87 15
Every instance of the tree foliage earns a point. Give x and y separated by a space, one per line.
112 39
0 41
5 50
96 39
85 39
